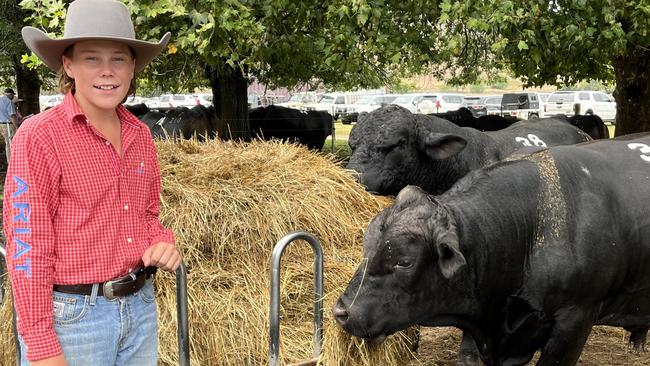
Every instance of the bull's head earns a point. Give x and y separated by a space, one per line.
392 148
411 254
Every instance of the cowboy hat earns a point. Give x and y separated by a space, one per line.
93 19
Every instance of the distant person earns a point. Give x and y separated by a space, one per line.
8 119
82 200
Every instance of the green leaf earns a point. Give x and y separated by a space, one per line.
522 46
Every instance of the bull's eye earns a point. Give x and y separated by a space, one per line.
403 263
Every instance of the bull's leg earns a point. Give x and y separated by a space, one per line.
468 355
638 336
568 337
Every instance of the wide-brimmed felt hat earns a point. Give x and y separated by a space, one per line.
93 20
9 91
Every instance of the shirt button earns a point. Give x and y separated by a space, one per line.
129 240
107 142
126 207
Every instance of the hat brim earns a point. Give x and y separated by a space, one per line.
50 50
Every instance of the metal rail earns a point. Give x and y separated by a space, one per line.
183 331
274 311
181 310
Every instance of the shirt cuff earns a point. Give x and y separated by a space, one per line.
166 235
41 345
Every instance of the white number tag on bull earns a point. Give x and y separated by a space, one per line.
532 140
645 150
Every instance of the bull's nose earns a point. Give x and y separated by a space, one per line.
339 312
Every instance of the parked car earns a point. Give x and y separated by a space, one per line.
167 101
493 104
132 100
523 105
332 103
152 102
299 100
366 104
581 102
49 101
434 102
204 99
476 105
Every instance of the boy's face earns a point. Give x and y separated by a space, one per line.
102 72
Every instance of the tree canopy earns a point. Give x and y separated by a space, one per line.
346 44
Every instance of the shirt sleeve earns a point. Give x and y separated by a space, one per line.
156 232
30 200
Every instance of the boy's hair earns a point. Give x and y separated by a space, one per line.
66 83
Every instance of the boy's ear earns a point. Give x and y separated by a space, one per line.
65 61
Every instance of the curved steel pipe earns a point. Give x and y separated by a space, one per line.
274 311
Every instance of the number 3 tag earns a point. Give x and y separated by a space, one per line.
645 150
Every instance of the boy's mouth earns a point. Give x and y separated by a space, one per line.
106 87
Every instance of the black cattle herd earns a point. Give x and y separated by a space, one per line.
523 234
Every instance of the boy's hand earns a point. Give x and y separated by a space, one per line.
162 255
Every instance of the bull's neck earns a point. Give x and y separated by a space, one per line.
496 213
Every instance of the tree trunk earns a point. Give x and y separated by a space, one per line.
632 92
28 87
230 100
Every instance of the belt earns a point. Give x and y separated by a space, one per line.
121 286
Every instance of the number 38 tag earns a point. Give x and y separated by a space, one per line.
532 140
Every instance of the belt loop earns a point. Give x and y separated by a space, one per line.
93 294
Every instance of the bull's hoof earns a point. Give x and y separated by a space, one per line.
469 360
638 339
415 344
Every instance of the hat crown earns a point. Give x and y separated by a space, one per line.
101 18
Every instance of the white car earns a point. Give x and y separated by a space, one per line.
299 100
133 100
583 102
168 101
430 102
204 99
49 101
366 104
333 103
369 103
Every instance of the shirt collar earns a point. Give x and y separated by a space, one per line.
74 113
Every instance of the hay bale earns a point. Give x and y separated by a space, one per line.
229 203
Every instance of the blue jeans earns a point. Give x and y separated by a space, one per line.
95 331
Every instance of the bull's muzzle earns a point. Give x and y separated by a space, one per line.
340 313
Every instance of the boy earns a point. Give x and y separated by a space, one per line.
82 202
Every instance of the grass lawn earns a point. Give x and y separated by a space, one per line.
341 147
342 131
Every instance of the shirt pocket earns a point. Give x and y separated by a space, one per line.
139 183
69 309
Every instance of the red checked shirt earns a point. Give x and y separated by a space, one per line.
75 212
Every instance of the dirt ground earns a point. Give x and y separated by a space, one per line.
607 346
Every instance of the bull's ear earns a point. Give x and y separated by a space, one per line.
442 146
450 259
408 195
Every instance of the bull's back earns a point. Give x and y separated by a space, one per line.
615 176
545 132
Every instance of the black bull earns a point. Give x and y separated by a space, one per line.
392 148
309 128
525 255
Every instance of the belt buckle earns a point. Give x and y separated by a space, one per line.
109 291
109 294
